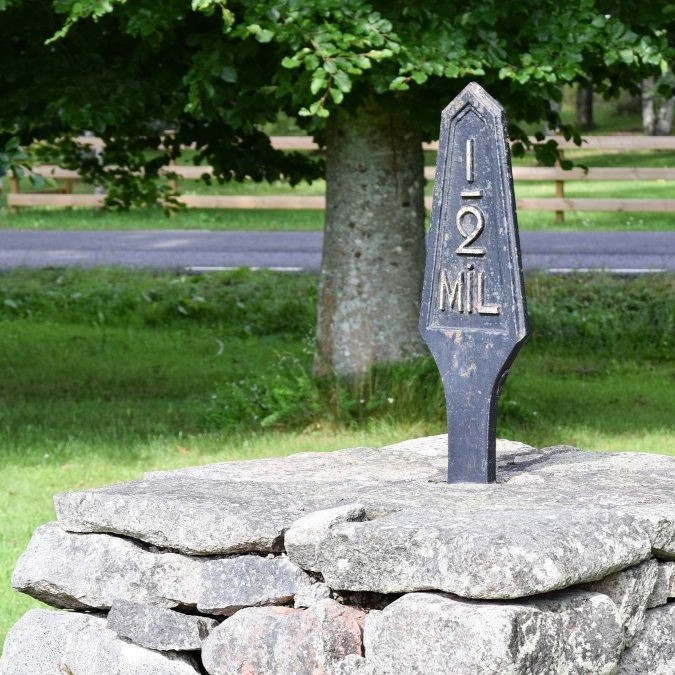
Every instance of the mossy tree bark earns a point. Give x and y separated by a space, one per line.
373 252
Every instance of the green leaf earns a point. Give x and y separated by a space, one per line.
362 61
399 84
379 54
336 95
627 55
228 74
343 81
290 62
264 35
318 82
311 62
517 149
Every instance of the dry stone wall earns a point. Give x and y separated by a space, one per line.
359 562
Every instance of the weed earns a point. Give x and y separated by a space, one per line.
240 303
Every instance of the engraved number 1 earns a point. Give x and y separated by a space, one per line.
465 247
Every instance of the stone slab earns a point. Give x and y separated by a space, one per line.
664 586
92 571
630 590
653 652
158 628
229 584
47 642
303 537
284 640
500 555
247 507
571 632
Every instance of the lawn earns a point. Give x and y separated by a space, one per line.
108 373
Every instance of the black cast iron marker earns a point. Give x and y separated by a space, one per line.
473 315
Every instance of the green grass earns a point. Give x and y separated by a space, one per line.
156 219
108 373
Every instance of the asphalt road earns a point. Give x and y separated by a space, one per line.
199 250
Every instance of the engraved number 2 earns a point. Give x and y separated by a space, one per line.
465 247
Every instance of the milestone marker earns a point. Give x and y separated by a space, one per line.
473 307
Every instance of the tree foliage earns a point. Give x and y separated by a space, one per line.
151 77
215 71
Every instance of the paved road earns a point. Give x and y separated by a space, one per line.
204 250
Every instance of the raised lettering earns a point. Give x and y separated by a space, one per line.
465 247
454 294
482 307
469 160
469 289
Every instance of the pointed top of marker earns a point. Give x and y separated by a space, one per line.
473 94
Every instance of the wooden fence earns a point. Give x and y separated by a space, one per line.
65 197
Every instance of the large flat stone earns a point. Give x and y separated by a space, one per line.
229 584
302 539
45 642
505 554
415 459
158 628
664 586
653 652
575 633
193 515
630 590
247 507
92 571
260 641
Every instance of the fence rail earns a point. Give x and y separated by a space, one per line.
65 197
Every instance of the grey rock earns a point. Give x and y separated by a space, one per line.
630 590
310 595
229 584
353 665
569 632
243 507
653 653
259 641
158 628
193 515
45 642
664 587
303 536
417 458
500 555
83 571
659 520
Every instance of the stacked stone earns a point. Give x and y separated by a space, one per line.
362 561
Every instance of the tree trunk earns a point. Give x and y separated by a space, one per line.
585 106
657 112
373 251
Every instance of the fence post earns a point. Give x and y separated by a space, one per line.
173 182
13 189
560 193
